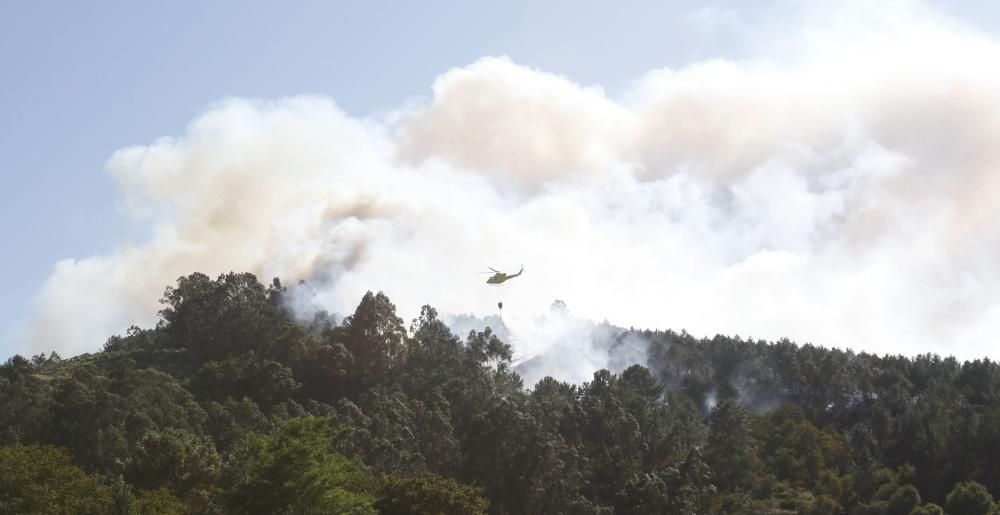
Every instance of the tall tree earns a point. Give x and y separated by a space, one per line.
375 338
731 448
43 480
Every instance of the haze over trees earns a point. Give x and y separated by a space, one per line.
229 405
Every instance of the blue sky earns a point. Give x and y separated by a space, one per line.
83 79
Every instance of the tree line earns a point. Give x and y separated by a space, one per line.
231 405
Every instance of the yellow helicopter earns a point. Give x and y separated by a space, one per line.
499 277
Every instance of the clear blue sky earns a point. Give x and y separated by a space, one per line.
79 80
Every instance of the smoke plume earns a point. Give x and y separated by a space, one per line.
838 187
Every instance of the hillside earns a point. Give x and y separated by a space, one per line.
229 405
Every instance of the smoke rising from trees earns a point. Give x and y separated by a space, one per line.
838 187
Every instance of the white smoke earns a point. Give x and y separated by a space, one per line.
838 188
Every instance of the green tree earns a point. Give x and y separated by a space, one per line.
731 449
26 397
968 498
928 509
434 356
825 505
184 463
159 502
216 319
375 338
267 382
43 480
87 419
903 501
155 401
299 471
694 491
429 495
525 468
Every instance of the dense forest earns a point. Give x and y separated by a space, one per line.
231 405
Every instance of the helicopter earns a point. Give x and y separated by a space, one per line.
499 277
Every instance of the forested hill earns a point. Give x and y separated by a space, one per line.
230 406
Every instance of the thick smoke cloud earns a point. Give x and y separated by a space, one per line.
838 188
